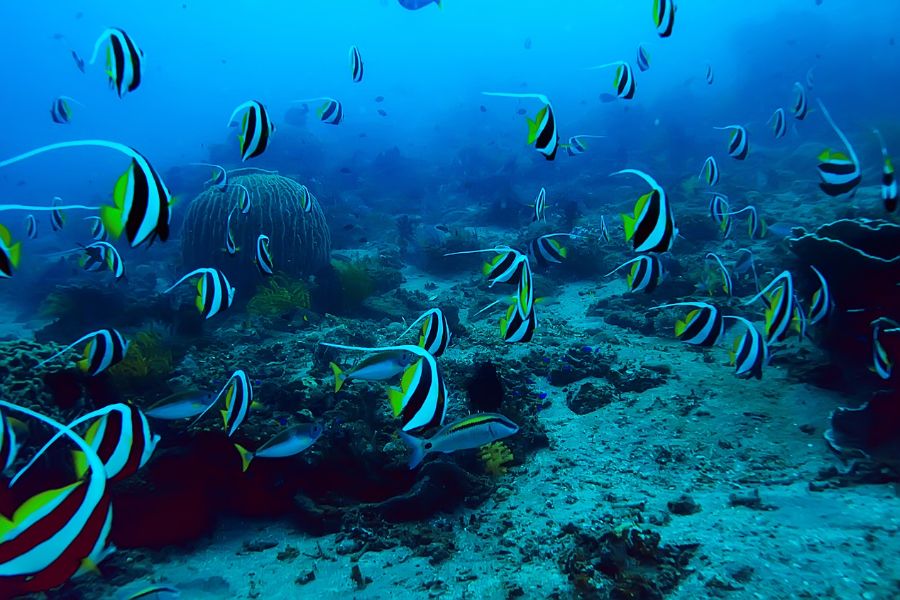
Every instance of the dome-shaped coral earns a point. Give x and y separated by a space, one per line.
300 242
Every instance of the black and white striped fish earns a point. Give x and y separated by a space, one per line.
710 171
230 245
516 328
542 129
779 124
263 255
546 250
780 306
540 206
888 180
306 199
750 352
506 267
435 334
727 285
9 442
238 396
219 177
124 60
101 255
718 207
710 76
214 292
104 349
726 227
882 364
31 227
10 253
643 58
421 400
54 533
57 218
356 65
664 17
604 231
98 230
331 112
800 107
703 326
141 201
756 225
623 82
738 144
60 111
256 128
838 172
645 275
576 145
822 303
652 227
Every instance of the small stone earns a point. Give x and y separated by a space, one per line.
684 505
289 553
807 429
306 578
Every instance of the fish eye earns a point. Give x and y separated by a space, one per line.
428 446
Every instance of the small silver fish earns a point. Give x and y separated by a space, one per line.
183 405
374 367
289 442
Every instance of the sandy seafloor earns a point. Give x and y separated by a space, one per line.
734 437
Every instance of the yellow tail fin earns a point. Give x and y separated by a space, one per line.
246 456
339 377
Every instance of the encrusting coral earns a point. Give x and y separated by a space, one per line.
300 242
280 296
495 457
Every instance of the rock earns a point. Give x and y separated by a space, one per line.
590 397
751 500
683 505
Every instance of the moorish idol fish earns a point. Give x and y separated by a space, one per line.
710 76
60 111
98 230
214 292
230 245
646 273
779 126
822 302
710 171
738 145
516 327
9 443
542 129
506 267
718 207
604 232
124 60
378 366
888 182
31 227
727 286
779 306
747 264
287 442
10 253
540 206
103 254
421 399
331 112
435 334
652 227
882 364
105 348
800 107
263 255
58 531
469 432
576 146
356 65
664 17
546 250
141 200
838 172
756 225
306 199
750 352
623 82
643 58
256 128
238 394
57 218
119 435
219 177
703 326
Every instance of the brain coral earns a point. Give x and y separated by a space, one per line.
300 242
